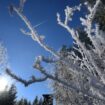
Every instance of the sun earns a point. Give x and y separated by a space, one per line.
3 84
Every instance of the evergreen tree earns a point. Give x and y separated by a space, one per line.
92 2
100 15
23 102
48 99
8 97
20 102
40 101
36 101
12 94
29 103
83 37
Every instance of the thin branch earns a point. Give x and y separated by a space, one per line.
24 32
26 82
34 33
21 5
87 22
46 59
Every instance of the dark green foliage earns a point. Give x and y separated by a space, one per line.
41 102
12 94
100 18
85 39
36 101
103 1
8 97
91 2
23 102
29 103
48 99
100 15
64 50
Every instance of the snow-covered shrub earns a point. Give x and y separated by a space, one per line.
83 65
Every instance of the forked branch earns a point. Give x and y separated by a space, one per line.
33 33
26 82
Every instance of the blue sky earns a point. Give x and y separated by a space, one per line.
22 50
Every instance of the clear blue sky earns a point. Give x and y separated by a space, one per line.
22 50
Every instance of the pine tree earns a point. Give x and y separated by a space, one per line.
100 15
92 2
40 101
36 101
29 103
48 99
83 37
23 102
12 94
8 97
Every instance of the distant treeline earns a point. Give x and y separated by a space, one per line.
9 97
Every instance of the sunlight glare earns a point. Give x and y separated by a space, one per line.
3 84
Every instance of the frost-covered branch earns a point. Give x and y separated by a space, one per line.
38 38
81 61
39 67
46 59
87 22
80 70
68 17
21 5
33 33
86 55
26 82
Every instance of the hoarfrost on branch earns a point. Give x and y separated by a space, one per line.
89 66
